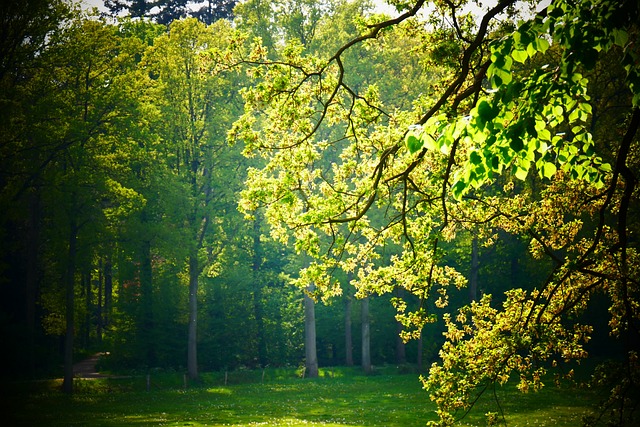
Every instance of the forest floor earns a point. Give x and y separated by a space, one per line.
340 397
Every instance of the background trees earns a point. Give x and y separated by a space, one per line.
166 11
396 161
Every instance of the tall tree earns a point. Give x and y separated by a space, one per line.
417 173
189 72
28 29
365 317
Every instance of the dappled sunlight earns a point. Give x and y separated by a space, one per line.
220 390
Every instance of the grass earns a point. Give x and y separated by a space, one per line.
340 397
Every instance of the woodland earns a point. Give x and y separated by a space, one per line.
448 186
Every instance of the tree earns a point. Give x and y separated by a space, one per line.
167 11
28 29
190 71
462 152
212 10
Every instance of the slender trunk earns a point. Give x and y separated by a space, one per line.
192 347
366 336
146 304
108 292
32 278
99 304
401 352
420 350
257 311
348 336
257 294
473 279
69 282
86 286
311 360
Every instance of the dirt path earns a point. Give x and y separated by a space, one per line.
87 368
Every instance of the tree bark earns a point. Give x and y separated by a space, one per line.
99 303
401 348
108 292
348 336
257 293
32 278
85 281
366 336
146 304
311 354
401 352
420 350
192 346
69 283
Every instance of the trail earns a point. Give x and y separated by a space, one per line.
87 368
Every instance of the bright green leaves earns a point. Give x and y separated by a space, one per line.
419 137
520 55
500 69
527 43
523 44
486 113
413 139
541 119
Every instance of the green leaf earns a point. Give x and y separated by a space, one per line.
621 37
516 143
548 170
428 142
521 173
498 60
413 143
497 81
495 163
486 112
505 76
519 55
543 45
458 189
558 110
475 158
544 134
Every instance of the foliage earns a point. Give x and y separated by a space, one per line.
369 186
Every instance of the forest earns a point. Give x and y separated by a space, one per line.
448 186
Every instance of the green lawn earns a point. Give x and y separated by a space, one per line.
340 397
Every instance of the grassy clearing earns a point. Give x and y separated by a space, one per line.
340 397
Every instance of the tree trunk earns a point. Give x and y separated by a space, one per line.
99 303
86 288
348 337
192 347
311 354
401 352
473 279
108 292
366 336
257 293
69 283
146 326
32 278
420 350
